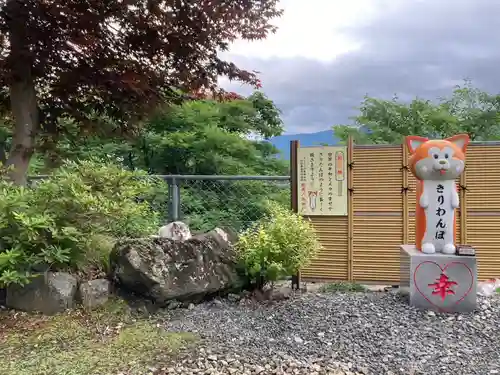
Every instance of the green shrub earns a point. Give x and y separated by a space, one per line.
68 220
278 245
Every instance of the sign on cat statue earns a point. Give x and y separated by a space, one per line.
439 274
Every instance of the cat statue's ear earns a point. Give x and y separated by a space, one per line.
414 141
460 140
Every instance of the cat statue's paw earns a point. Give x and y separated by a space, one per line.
455 201
424 201
428 248
449 248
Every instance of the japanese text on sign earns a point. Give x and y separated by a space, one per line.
322 180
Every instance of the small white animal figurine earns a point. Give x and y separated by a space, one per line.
176 230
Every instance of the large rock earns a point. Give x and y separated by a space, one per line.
94 293
164 269
48 293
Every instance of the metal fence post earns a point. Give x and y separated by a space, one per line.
174 199
294 200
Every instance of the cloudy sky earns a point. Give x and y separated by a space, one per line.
328 54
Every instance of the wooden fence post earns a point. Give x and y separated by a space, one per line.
350 209
463 207
404 193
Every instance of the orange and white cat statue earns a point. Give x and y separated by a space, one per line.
436 164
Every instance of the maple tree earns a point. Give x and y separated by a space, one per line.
85 59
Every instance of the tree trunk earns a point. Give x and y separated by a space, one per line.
25 111
22 95
3 152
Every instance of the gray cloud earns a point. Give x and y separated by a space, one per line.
421 48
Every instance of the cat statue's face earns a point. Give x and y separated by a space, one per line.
441 159
177 231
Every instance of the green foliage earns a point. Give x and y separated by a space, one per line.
469 110
196 137
210 137
343 286
107 340
58 222
202 137
97 200
207 137
277 245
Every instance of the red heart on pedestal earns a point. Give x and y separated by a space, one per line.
438 270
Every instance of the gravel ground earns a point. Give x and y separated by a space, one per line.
356 333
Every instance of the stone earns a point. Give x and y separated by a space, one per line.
440 282
365 333
217 303
232 297
163 269
172 305
280 294
95 293
403 291
3 296
272 294
48 293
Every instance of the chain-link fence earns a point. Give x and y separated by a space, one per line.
205 202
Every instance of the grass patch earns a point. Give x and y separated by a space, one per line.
106 341
342 286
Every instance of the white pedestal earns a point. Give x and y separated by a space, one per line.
440 282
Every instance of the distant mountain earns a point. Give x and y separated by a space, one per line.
282 142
